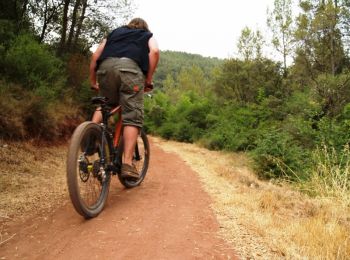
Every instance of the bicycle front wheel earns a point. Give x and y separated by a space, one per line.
140 160
87 176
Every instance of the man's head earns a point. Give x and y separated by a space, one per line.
138 23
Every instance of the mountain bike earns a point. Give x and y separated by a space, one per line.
95 154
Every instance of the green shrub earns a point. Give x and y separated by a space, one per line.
156 108
186 120
233 127
33 65
277 155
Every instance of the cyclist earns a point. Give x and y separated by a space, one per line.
121 69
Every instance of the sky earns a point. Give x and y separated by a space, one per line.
210 28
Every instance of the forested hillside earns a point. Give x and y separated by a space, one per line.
292 118
173 63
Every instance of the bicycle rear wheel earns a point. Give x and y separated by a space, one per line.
140 160
87 177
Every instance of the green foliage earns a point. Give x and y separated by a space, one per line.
277 155
280 21
332 92
250 44
244 81
321 26
232 128
252 105
34 66
183 121
7 34
172 63
156 109
33 98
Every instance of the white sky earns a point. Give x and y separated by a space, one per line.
209 28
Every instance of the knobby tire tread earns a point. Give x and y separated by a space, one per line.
72 173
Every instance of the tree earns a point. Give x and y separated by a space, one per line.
15 12
45 14
280 21
244 81
321 54
245 44
250 44
320 36
76 24
91 20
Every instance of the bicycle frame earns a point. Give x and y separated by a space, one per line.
118 126
106 114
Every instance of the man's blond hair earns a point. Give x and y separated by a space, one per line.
138 23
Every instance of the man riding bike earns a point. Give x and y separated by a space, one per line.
121 69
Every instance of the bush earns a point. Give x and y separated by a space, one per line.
13 106
156 110
233 127
185 120
26 115
34 66
277 155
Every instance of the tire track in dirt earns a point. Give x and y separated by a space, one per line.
167 217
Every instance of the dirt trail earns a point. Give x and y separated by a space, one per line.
167 217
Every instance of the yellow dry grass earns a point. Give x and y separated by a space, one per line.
265 220
31 179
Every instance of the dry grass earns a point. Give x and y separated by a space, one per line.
331 176
32 180
264 219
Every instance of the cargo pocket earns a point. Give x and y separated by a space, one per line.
132 80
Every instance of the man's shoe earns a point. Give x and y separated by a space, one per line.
129 171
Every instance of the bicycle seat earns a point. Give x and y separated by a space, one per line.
99 100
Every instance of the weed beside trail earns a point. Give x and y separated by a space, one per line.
32 178
270 220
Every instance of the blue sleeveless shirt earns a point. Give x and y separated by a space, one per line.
128 43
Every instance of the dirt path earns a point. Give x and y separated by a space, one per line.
167 217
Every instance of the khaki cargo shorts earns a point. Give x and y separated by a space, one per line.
122 82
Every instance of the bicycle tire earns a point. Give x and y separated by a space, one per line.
86 176
141 163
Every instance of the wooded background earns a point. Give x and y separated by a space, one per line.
292 117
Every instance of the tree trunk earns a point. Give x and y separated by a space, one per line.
43 30
62 46
80 23
73 24
20 11
334 24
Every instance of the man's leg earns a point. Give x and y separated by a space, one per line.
130 134
97 117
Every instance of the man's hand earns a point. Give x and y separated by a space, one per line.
95 87
148 87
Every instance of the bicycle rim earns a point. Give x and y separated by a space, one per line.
88 182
